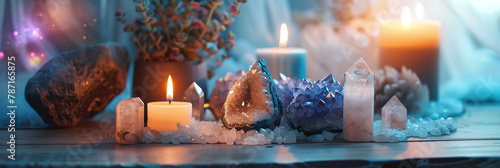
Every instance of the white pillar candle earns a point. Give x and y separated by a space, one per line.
289 61
164 115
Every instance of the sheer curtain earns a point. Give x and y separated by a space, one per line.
470 47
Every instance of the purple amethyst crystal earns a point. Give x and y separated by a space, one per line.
219 94
284 87
317 106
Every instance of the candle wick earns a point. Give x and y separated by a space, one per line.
169 102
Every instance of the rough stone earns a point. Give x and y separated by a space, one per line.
78 84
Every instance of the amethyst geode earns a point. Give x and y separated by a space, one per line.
317 106
253 102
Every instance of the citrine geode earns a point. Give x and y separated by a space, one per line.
253 102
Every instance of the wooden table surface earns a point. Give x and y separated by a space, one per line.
92 143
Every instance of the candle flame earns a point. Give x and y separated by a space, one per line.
406 17
283 35
170 89
419 11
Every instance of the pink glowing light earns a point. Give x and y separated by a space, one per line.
15 33
35 32
2 55
32 54
42 55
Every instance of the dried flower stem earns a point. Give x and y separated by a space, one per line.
148 26
143 50
209 18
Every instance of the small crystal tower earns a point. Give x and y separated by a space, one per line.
394 114
358 102
129 121
195 95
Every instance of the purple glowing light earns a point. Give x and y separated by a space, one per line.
2 55
15 33
32 54
35 32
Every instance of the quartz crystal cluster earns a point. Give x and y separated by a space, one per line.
203 132
221 90
418 128
317 106
358 102
405 85
253 102
129 121
194 94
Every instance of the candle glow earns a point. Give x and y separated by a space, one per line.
415 46
170 89
406 17
283 35
419 11
164 115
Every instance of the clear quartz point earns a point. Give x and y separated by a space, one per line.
394 114
129 121
358 102
195 95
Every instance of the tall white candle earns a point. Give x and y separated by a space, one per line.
289 61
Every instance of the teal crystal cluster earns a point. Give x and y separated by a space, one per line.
317 106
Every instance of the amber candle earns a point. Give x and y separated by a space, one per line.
414 45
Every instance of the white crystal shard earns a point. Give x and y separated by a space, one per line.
328 135
358 102
195 95
290 139
129 121
421 128
316 138
394 114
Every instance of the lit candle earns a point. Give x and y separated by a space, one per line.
414 45
164 115
286 60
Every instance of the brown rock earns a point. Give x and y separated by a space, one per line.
78 84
